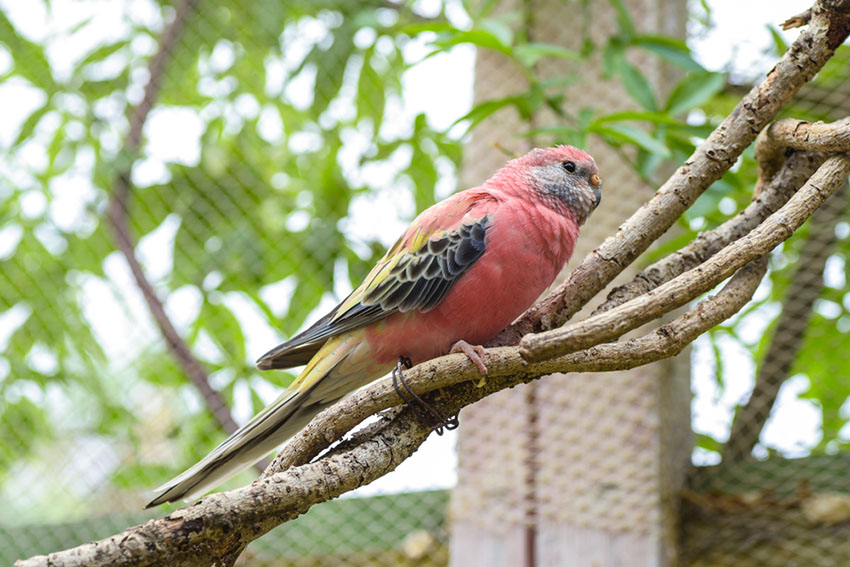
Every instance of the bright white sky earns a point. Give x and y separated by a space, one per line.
736 42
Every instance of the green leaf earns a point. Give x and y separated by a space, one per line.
673 50
371 96
484 109
778 41
498 29
226 330
693 91
633 135
28 127
30 61
624 19
477 37
636 84
529 53
103 52
613 52
652 117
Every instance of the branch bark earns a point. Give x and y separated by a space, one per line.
119 206
792 175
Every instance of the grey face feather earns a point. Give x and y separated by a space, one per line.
567 192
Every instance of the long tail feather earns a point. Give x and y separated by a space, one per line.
341 366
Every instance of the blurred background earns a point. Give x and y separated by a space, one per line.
185 184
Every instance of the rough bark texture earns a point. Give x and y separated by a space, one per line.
216 529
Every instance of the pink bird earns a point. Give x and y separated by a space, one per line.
462 272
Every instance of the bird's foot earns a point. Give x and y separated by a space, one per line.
442 423
474 352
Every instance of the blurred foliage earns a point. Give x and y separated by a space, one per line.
300 115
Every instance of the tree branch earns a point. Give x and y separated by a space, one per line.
793 174
828 28
119 218
215 529
790 329
778 179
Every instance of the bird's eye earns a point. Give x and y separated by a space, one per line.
569 166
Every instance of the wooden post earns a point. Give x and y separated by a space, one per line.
579 469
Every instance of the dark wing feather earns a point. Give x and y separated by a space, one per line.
404 281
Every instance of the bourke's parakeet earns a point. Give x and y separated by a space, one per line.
462 272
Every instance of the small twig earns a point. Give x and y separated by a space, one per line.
797 21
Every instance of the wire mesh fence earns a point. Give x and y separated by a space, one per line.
186 185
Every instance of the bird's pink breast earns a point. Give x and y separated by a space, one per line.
527 246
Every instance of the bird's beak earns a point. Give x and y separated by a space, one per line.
597 189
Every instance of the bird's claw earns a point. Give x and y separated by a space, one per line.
443 423
474 352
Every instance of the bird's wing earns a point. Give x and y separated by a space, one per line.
415 274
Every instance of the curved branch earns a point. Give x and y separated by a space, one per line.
777 228
214 530
774 141
828 28
118 217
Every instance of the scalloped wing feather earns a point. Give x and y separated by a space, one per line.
415 274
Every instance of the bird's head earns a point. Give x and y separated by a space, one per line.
563 178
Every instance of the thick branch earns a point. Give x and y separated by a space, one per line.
787 338
219 526
118 216
775 229
827 29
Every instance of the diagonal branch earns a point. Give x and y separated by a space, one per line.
118 217
778 179
828 28
793 174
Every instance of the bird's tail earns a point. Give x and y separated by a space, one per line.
341 366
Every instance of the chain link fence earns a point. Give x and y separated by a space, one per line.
157 239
